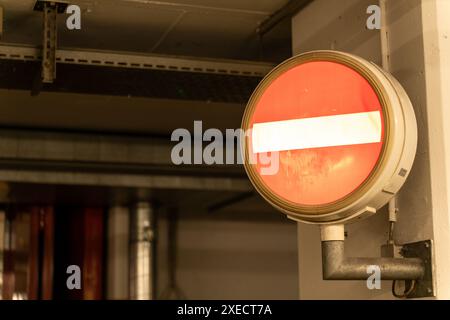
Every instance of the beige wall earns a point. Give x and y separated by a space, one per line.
340 25
436 34
233 256
229 254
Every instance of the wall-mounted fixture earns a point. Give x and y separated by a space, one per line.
330 139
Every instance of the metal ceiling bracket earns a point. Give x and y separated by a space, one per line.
117 59
424 287
1 21
61 5
50 10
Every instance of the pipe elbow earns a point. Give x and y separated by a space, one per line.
332 259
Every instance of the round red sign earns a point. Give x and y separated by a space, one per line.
331 99
323 124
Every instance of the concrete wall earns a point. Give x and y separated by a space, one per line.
436 39
232 256
418 61
220 255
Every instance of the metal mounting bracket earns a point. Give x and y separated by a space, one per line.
425 287
50 10
1 21
61 5
415 266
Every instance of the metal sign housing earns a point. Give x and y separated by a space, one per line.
296 97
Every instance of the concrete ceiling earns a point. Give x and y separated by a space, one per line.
204 28
219 28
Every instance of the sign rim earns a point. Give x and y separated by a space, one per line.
328 210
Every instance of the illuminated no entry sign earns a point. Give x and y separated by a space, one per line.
343 129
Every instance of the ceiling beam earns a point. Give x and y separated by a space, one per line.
47 157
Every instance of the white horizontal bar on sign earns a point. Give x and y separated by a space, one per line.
319 132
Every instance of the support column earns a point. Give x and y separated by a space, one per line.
142 252
436 41
50 9
118 253
49 42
